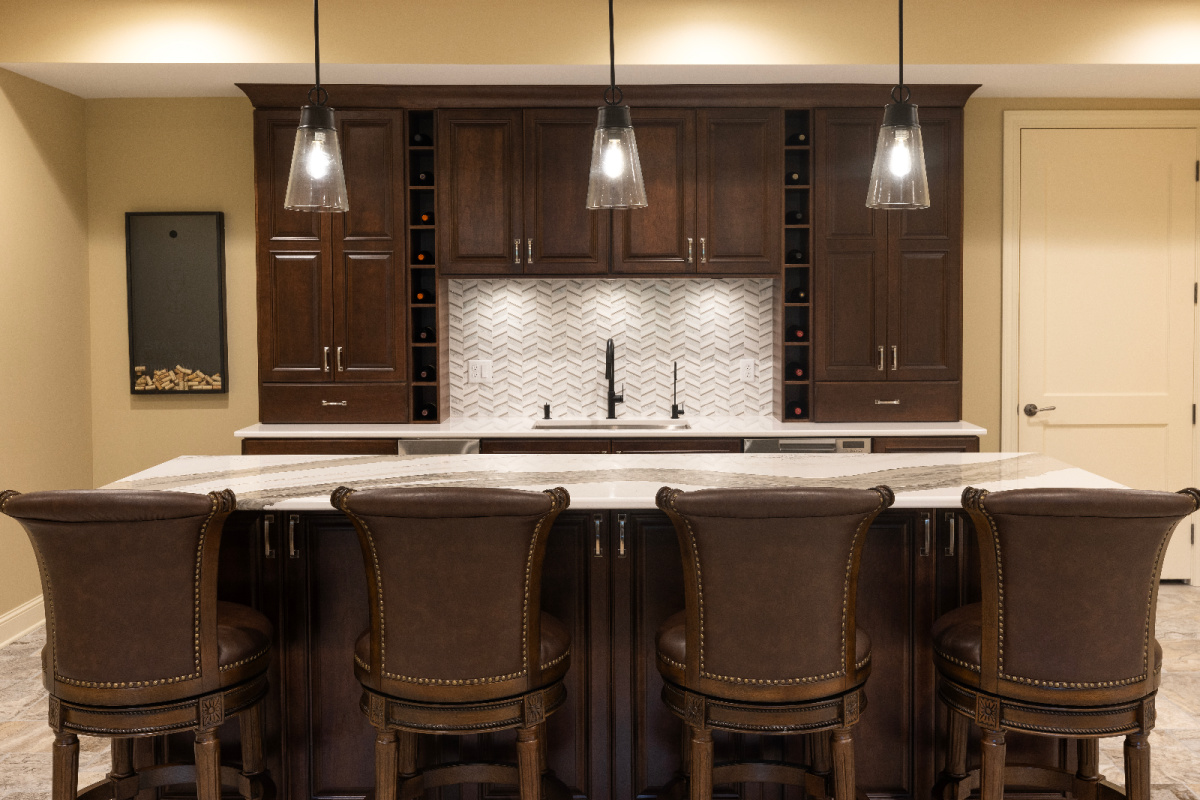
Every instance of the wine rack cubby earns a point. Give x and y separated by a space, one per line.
797 266
422 268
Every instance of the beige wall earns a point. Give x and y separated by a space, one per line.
46 439
167 155
983 155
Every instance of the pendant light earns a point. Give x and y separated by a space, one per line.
898 179
615 180
317 181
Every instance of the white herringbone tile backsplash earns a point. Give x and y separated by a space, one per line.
546 342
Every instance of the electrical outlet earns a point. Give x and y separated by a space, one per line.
479 371
746 369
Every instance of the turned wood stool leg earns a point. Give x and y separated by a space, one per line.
1137 766
821 763
387 763
685 750
65 778
992 749
1087 775
250 723
956 747
842 750
529 771
406 758
208 765
542 739
122 767
701 747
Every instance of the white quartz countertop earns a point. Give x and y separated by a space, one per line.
609 481
510 427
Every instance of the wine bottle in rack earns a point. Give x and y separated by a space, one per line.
426 218
793 371
795 333
424 257
427 411
426 334
797 295
427 373
423 178
794 179
795 411
797 139
423 295
421 139
795 256
794 218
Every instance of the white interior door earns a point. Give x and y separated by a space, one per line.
1107 261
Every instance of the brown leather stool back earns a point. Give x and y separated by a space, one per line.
771 582
129 583
1070 585
454 580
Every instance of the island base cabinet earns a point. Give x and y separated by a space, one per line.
612 578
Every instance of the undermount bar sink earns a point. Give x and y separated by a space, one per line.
611 424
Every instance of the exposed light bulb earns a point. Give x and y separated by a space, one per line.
614 159
319 161
901 161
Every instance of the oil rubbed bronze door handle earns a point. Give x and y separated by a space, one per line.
1031 410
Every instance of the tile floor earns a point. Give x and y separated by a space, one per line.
25 739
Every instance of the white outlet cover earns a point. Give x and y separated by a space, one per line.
746 369
479 370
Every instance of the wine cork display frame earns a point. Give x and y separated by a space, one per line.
797 266
422 270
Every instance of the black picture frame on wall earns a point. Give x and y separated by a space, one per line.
175 285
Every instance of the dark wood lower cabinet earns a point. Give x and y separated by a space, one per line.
612 577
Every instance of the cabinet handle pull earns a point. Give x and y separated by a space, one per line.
516 251
689 250
597 519
333 402
529 251
293 520
895 357
267 520
327 359
621 536
952 523
339 360
927 548
703 251
887 402
880 367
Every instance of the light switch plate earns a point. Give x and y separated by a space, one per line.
479 371
746 369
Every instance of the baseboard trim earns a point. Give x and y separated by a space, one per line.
21 620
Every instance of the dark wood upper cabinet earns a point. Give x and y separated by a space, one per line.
294 321
479 180
661 238
740 187
562 236
373 157
368 318
274 141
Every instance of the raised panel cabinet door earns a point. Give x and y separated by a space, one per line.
850 315
295 326
661 238
372 142
479 192
368 312
845 148
562 236
274 141
941 136
924 315
740 188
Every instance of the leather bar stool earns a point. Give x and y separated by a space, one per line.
1062 643
457 642
137 643
767 641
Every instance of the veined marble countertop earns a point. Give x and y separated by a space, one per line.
508 427
607 481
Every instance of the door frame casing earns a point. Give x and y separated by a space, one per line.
1015 122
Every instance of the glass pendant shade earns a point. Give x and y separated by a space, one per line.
615 180
317 181
898 179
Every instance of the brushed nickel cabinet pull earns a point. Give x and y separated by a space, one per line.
293 521
952 523
599 552
703 251
333 402
895 357
689 250
267 521
880 367
339 360
327 359
621 536
516 251
927 548
887 402
529 252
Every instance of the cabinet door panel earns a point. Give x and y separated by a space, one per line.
941 134
846 144
372 153
849 316
568 239
924 316
275 139
368 319
479 179
740 186
296 329
655 239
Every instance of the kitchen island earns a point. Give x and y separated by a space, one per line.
612 575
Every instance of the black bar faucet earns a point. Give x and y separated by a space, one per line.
610 372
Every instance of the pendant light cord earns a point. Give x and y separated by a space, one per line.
901 93
321 95
613 89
